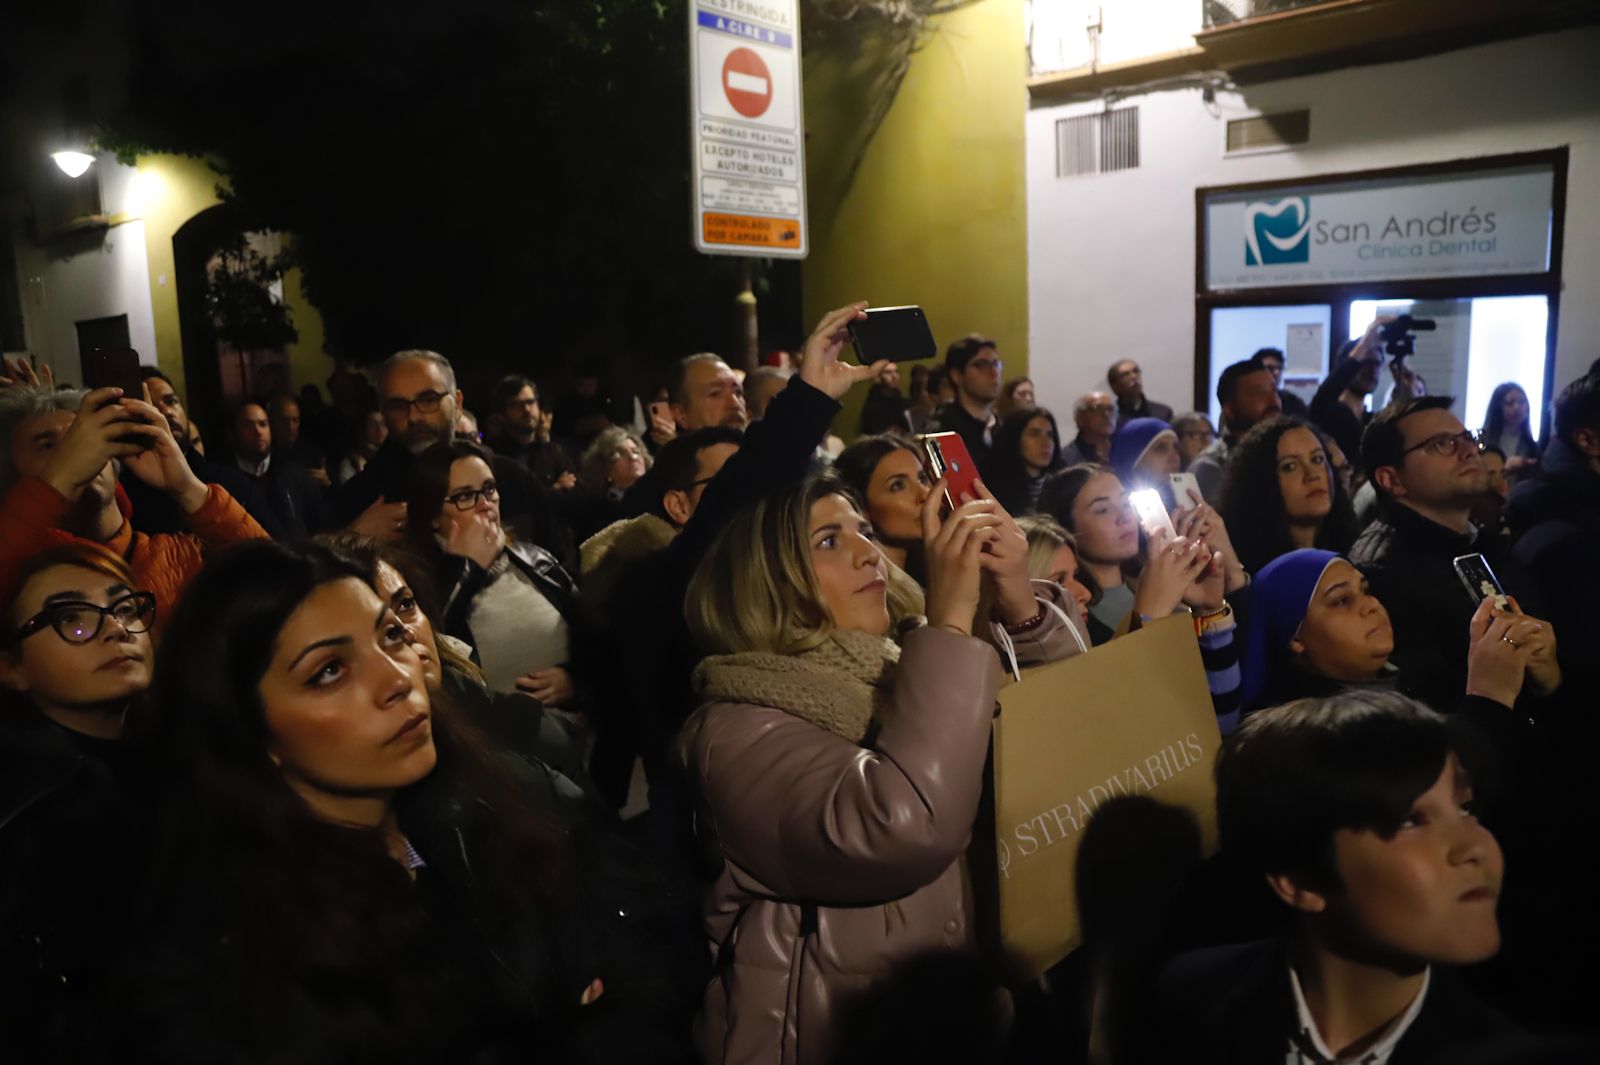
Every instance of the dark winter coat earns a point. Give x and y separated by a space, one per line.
69 855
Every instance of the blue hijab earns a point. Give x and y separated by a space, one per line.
1129 444
1280 595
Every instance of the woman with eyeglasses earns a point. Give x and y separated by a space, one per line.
509 599
75 655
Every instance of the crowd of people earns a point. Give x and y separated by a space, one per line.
390 730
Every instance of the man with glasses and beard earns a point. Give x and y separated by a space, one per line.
1429 473
419 399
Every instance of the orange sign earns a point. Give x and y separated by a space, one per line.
750 231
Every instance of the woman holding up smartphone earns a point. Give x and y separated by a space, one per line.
842 766
888 476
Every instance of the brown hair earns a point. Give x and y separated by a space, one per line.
79 553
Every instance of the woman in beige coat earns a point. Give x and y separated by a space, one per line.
839 750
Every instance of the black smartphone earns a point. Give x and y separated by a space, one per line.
1479 580
899 334
113 368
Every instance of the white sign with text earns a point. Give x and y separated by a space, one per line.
748 135
1468 225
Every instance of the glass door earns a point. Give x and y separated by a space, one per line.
1477 345
1300 331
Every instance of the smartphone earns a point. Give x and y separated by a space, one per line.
1152 512
1185 490
662 410
899 334
1479 580
113 368
946 455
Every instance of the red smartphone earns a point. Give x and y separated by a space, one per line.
662 410
946 455
113 368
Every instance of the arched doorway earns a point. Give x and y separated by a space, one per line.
216 305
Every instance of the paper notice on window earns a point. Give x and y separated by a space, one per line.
1305 351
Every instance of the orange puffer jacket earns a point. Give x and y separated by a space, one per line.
32 511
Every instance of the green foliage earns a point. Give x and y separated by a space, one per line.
238 299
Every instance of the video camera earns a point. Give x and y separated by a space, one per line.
1399 338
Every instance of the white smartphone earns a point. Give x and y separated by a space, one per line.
1185 490
1152 512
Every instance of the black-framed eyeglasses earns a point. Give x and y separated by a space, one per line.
467 498
79 622
1443 445
426 402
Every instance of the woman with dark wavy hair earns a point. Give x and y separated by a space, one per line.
346 873
1027 450
1281 494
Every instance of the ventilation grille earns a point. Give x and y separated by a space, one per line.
1266 132
1098 144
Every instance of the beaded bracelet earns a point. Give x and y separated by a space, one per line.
1025 626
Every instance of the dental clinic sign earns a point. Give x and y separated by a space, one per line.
1458 225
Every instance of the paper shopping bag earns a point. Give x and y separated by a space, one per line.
1131 717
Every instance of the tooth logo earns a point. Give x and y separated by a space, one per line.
1277 232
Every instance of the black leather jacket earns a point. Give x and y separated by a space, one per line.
461 579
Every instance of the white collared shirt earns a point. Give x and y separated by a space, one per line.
1306 1046
254 469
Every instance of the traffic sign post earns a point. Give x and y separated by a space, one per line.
747 138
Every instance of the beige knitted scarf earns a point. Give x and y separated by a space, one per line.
842 685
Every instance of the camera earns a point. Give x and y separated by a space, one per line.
1399 336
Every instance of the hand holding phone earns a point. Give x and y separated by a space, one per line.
662 426
113 368
1185 490
1153 516
1480 582
899 334
946 456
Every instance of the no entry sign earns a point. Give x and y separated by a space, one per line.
747 141
747 83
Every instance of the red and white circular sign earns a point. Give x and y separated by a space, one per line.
747 83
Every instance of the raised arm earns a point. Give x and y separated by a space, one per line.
777 449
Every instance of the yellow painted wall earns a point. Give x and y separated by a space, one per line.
307 361
173 189
936 215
